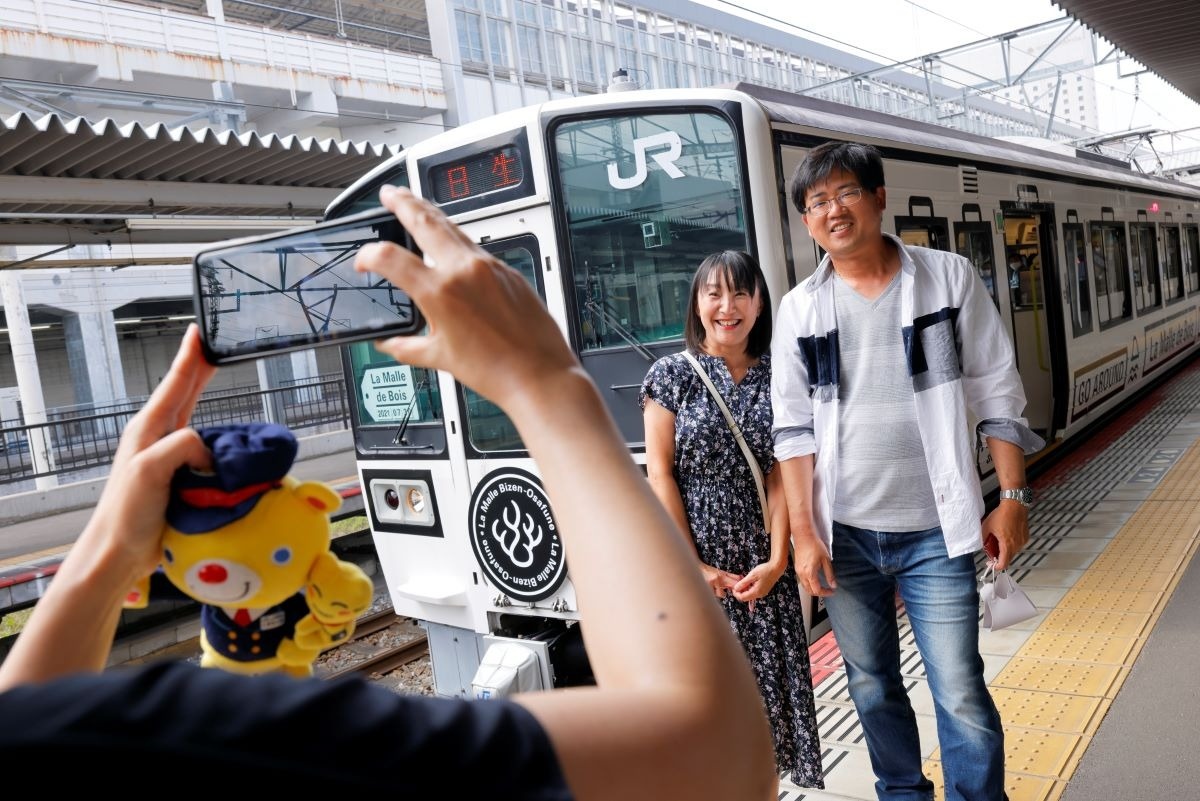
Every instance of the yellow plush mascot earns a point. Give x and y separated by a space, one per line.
251 544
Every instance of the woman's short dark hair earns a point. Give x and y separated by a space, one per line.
741 271
862 161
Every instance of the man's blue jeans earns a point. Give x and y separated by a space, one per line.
942 602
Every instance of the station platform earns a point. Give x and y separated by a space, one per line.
1099 693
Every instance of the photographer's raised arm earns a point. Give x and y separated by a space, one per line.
676 713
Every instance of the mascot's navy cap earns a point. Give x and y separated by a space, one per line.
248 460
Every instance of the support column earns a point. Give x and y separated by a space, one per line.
93 352
94 357
274 372
304 370
230 120
216 10
29 380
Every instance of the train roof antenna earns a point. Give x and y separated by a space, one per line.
621 82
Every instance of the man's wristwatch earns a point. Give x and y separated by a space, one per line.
1023 496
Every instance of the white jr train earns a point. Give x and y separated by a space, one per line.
608 203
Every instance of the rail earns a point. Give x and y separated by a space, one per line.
380 658
85 443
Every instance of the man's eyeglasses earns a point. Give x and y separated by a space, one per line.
845 200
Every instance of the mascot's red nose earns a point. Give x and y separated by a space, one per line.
213 574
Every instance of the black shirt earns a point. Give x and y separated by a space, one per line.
194 727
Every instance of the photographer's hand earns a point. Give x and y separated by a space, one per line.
486 323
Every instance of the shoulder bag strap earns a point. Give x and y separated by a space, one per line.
737 435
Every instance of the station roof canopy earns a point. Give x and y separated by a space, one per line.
70 181
1161 34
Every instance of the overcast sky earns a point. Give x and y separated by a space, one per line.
896 30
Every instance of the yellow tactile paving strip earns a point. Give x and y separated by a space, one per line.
1056 689
24 559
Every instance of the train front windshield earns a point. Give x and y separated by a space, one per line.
397 405
647 198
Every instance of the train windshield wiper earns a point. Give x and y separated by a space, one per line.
398 438
615 324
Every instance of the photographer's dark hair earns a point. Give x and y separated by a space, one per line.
863 161
742 272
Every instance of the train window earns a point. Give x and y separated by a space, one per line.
368 197
647 198
1023 256
923 236
1109 263
395 406
1079 287
1147 294
489 429
973 240
1191 257
1173 288
926 231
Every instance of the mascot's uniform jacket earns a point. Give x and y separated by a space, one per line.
258 639
248 460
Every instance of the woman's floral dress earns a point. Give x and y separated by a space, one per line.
725 517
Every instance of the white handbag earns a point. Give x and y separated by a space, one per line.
1004 602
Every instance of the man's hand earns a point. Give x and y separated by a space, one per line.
813 564
486 322
1009 524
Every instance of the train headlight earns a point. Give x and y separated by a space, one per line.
416 501
406 501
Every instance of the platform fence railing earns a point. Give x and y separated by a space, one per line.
81 446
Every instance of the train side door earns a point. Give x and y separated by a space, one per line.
1033 292
1191 255
517 562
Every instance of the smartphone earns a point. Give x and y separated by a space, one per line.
298 289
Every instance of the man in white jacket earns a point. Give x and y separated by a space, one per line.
882 359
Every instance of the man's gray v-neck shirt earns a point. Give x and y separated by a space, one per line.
882 478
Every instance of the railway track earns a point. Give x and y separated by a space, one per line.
367 657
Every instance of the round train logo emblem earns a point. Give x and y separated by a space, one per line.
514 535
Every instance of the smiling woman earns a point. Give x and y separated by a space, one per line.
727 302
706 482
